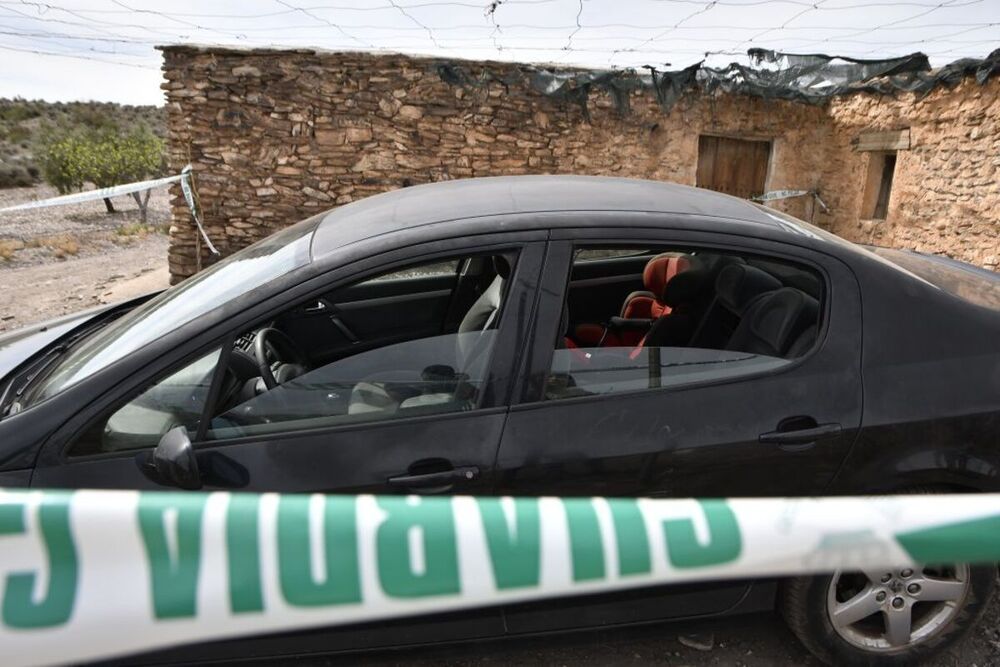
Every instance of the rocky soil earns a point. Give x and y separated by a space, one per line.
62 259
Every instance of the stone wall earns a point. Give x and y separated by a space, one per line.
946 190
274 137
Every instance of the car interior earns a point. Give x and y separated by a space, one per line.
418 340
412 341
639 318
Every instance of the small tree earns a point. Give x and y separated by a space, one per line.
119 158
105 157
64 157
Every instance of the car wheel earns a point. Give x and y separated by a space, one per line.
887 617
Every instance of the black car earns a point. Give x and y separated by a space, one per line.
568 336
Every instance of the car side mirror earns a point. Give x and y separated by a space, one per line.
173 461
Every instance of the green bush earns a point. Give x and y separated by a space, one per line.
106 157
15 177
65 158
118 157
31 128
17 110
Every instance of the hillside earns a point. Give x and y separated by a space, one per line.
22 122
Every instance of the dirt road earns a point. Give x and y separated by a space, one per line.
43 291
62 259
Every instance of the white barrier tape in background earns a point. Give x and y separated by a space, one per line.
93 195
96 574
775 195
118 190
193 205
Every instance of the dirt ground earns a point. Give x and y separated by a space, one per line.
60 260
63 259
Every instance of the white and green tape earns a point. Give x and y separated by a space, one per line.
97 574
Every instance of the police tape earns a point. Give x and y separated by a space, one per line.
97 574
775 195
184 178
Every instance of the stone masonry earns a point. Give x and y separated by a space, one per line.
276 136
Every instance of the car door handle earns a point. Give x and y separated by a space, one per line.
803 436
436 479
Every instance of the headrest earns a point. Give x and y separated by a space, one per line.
686 287
783 316
660 269
501 266
739 284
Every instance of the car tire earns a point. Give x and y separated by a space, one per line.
805 604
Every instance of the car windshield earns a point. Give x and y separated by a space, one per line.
217 285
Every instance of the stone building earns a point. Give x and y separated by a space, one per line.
276 136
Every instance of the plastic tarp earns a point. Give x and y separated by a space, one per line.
808 78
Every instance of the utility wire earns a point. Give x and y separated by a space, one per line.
430 33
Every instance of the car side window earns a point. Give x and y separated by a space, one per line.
437 269
420 343
176 400
411 341
696 315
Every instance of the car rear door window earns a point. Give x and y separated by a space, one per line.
703 316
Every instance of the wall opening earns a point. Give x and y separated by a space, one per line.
878 185
737 167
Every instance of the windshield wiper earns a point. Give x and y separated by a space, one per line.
10 402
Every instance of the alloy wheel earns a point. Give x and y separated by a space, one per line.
891 610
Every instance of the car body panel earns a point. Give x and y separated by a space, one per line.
522 199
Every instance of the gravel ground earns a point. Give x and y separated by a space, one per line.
61 259
88 220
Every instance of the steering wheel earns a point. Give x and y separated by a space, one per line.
282 349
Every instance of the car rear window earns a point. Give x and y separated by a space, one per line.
978 286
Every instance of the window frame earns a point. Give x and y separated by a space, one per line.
558 274
497 387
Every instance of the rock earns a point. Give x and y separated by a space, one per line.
410 112
246 70
357 135
699 642
330 137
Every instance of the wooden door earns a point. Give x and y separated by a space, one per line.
734 166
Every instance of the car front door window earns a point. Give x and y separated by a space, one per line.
176 400
407 342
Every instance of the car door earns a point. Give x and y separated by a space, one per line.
394 454
698 439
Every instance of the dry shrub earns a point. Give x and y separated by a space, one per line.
8 247
61 246
66 246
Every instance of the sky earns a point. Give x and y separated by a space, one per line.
62 50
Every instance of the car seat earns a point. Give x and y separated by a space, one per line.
776 322
648 304
391 390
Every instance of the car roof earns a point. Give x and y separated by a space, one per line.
421 205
